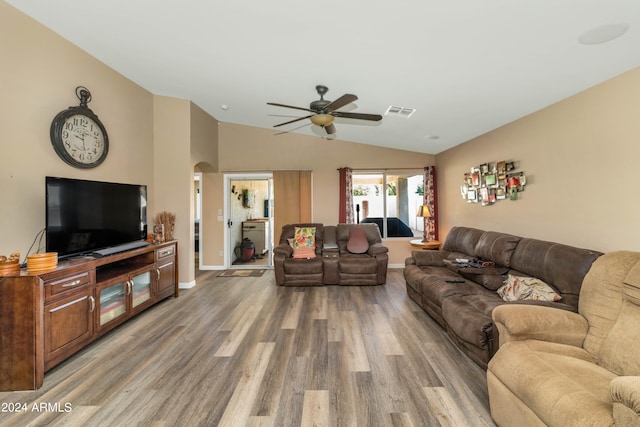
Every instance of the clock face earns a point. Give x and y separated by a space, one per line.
79 138
82 139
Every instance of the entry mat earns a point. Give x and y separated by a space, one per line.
242 273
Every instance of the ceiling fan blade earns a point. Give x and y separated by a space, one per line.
341 102
289 106
331 129
292 121
359 116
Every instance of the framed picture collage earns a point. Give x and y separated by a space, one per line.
490 182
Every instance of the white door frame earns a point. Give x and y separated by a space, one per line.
228 251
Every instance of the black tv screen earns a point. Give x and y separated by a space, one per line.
85 216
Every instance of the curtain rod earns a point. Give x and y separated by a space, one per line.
385 169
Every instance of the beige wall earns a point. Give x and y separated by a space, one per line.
248 149
174 176
211 230
39 74
154 140
579 154
581 160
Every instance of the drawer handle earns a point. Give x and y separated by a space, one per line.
165 253
93 304
71 284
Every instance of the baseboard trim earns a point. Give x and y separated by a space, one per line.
186 285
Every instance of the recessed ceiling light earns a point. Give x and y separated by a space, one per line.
603 33
225 107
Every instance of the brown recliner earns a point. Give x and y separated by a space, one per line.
291 271
368 268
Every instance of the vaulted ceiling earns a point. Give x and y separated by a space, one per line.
465 66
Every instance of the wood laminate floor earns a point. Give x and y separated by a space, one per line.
245 352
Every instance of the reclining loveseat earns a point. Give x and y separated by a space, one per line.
346 254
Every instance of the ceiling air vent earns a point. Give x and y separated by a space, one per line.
399 111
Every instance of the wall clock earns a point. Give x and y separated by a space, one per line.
78 136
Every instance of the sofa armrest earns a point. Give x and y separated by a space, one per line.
377 249
433 258
283 249
409 261
521 322
625 394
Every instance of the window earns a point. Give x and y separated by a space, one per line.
391 200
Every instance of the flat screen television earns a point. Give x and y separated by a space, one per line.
84 217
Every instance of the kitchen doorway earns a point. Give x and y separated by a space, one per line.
249 217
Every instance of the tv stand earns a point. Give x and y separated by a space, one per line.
47 317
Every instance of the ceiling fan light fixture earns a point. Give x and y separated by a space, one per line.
322 119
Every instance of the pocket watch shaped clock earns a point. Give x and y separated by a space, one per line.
78 136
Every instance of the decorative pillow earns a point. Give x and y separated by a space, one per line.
304 242
305 252
526 288
358 243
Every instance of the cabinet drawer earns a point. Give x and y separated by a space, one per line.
165 252
55 287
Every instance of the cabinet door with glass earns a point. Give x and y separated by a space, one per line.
111 303
141 289
119 298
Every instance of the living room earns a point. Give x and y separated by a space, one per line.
579 155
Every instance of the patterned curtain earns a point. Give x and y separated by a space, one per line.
431 200
345 215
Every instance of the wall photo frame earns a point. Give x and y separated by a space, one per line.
492 181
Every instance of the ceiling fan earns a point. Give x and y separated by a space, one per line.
323 111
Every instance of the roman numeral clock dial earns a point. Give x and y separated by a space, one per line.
78 136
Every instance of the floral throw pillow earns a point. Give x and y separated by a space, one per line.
526 288
304 242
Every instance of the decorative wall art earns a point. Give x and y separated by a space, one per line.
489 182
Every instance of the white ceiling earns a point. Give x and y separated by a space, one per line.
466 66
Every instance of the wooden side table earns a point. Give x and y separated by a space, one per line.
432 245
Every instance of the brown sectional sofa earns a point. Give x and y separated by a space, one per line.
333 264
464 309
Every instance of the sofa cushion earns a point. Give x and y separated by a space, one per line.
437 289
428 258
304 236
621 347
357 264
304 252
557 382
497 247
304 242
357 243
468 319
462 240
548 261
518 288
601 296
303 266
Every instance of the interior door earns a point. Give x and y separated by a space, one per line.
249 202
